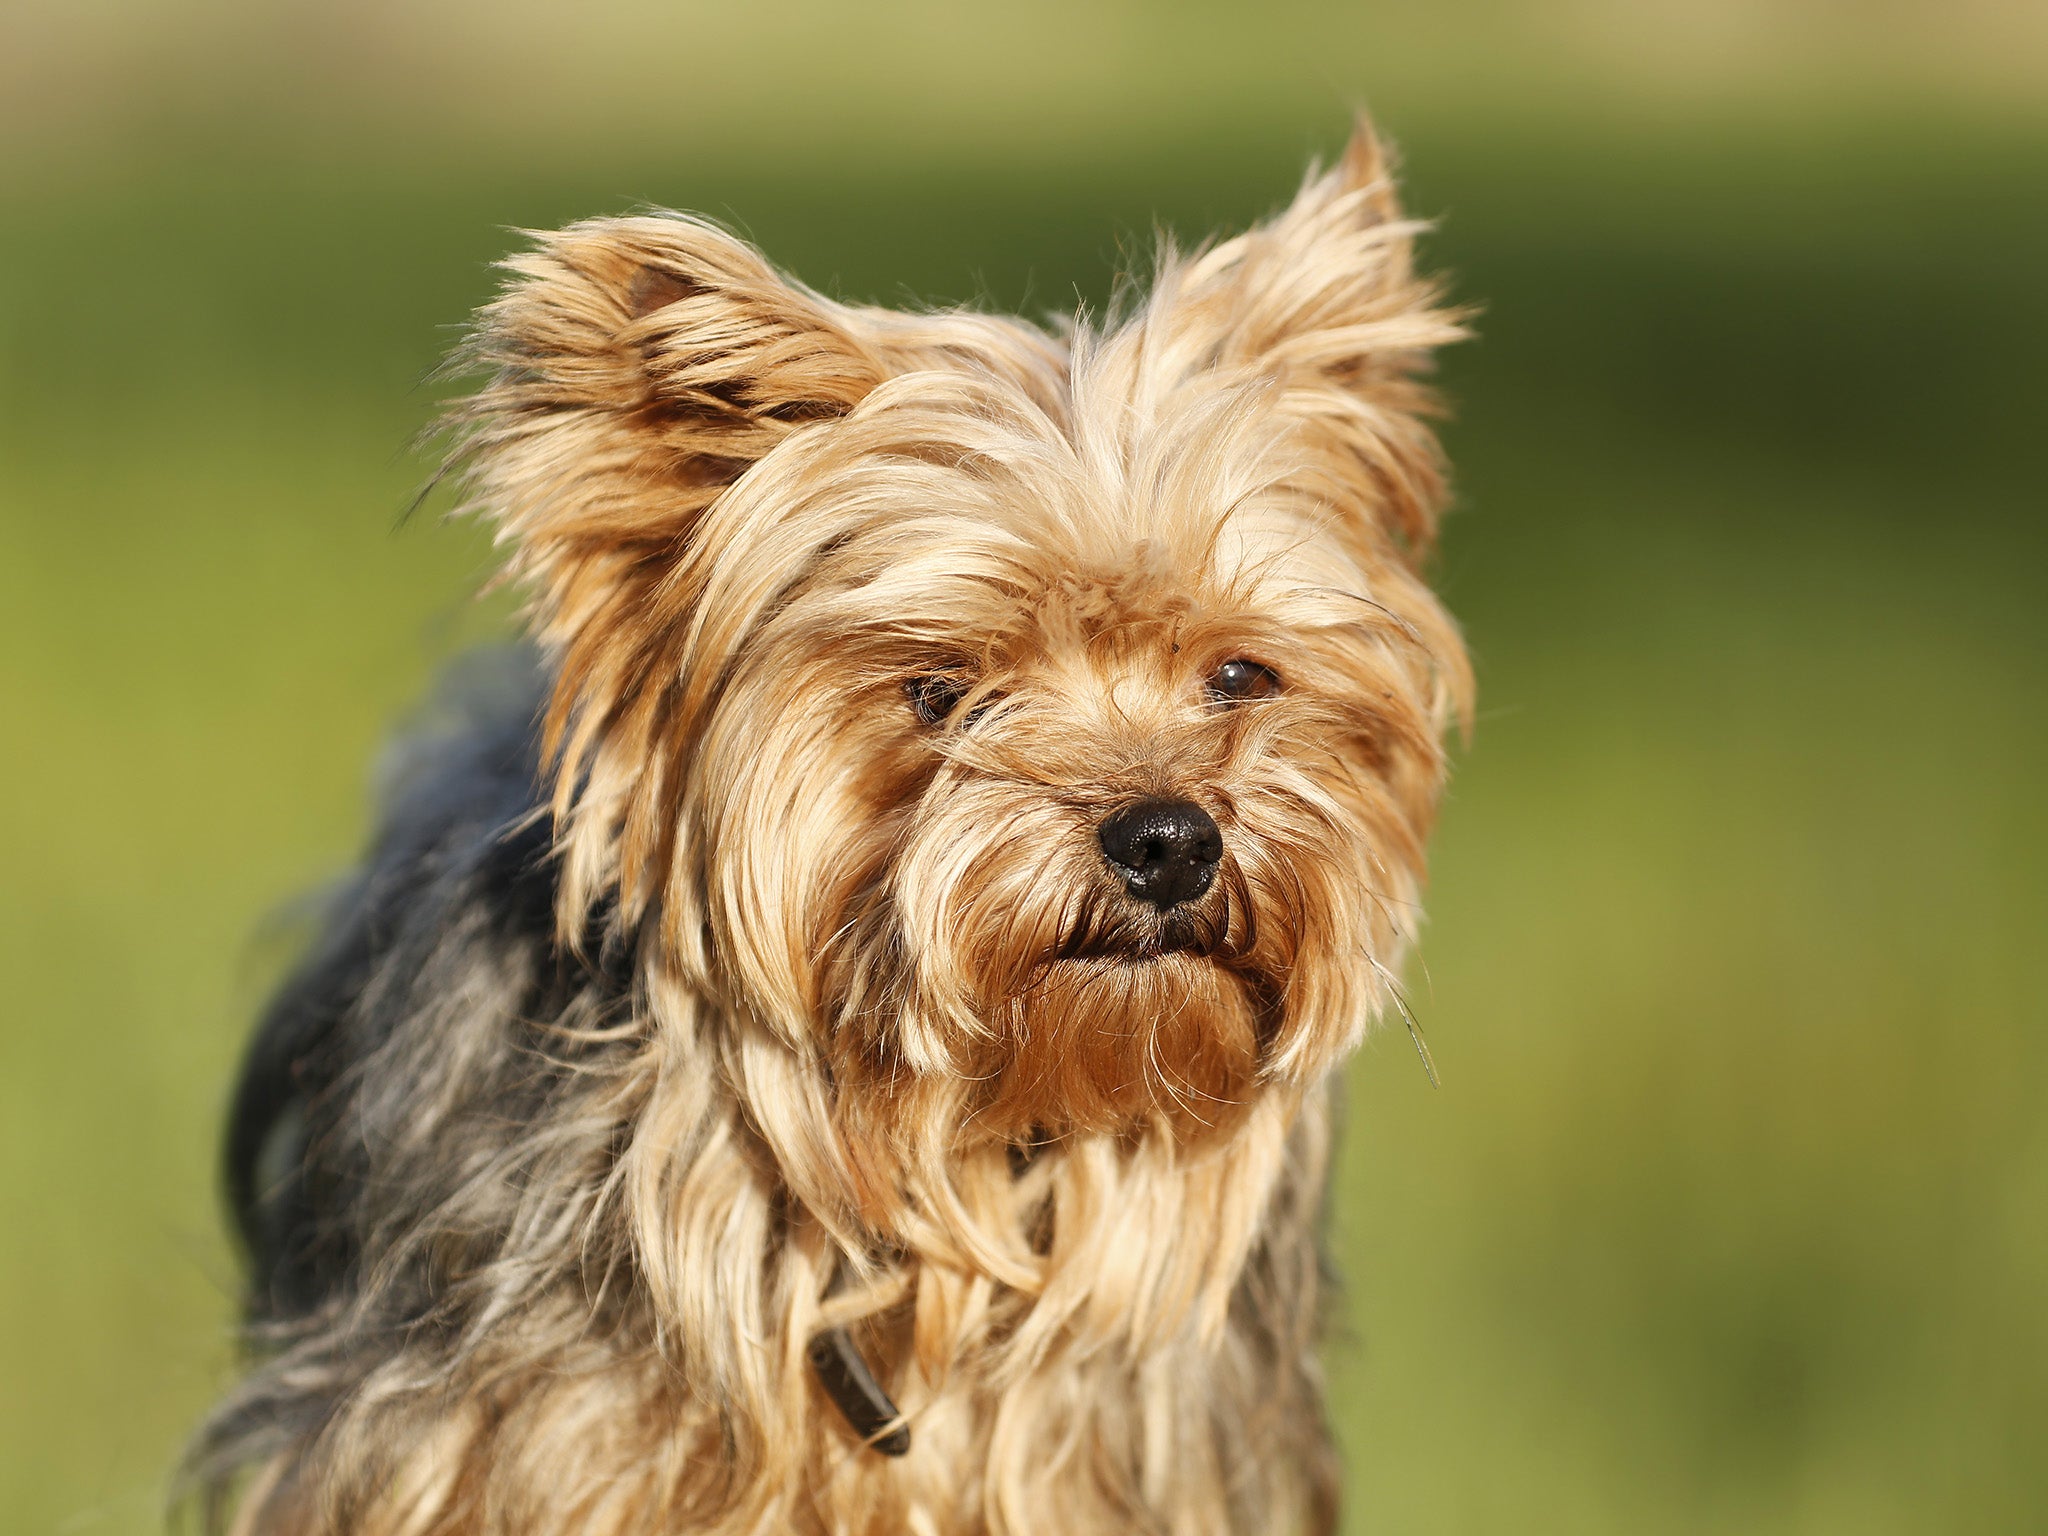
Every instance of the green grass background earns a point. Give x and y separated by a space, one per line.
1732 1212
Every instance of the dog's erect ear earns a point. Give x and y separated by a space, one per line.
634 368
1325 301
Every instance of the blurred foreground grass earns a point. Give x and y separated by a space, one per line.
1732 1214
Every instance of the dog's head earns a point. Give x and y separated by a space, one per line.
1038 729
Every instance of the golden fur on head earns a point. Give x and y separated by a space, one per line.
859 625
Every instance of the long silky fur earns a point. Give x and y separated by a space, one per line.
696 997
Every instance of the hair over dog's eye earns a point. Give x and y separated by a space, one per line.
1241 678
936 695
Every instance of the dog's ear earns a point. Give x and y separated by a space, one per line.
633 369
1324 301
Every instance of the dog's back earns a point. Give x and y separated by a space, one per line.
458 873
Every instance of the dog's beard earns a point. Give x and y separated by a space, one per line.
1111 1042
1055 1002
1110 1015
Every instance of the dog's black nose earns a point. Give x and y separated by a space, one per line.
1166 850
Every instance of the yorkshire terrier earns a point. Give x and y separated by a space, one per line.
843 1039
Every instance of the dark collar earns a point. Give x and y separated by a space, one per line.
853 1389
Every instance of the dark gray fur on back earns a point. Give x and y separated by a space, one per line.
435 1061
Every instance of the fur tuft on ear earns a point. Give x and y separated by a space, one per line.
1323 301
634 368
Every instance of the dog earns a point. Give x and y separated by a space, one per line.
838 1034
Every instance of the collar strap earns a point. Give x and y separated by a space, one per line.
854 1391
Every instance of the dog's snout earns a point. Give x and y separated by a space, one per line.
1165 850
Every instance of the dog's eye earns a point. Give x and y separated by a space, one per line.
1239 679
935 695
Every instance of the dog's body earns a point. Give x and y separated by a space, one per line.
838 1038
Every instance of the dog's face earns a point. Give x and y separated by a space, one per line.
1040 731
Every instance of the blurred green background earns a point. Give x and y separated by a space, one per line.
1732 1212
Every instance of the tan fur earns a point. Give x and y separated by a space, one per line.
904 1062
